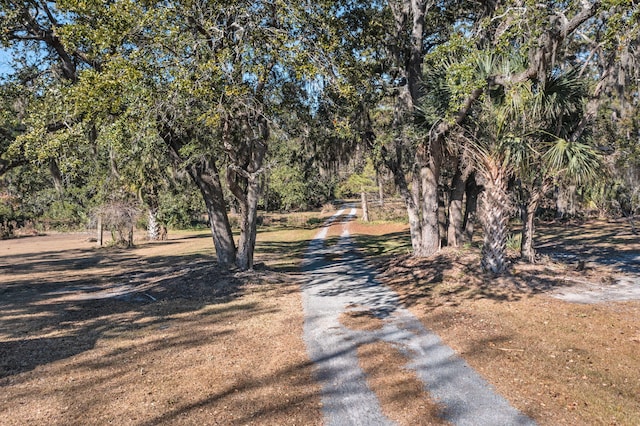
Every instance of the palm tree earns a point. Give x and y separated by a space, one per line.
524 131
553 113
491 146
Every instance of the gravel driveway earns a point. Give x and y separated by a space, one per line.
339 280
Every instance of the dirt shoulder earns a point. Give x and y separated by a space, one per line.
153 335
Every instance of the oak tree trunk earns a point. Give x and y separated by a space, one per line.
245 139
472 190
456 217
365 206
429 175
205 175
248 225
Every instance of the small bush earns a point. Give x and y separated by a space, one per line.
314 221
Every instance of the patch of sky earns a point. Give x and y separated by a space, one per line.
6 62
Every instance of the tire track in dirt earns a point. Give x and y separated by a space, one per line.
338 279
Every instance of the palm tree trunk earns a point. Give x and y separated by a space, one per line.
153 226
494 214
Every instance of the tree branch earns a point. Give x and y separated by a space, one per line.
544 55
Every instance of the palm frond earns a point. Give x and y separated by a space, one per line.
577 161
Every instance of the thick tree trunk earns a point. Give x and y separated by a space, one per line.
245 139
248 225
365 206
422 200
205 175
456 218
494 215
429 174
411 204
472 190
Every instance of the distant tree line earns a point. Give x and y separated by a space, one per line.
488 110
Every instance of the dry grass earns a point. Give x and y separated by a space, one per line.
359 318
401 394
159 335
560 363
183 343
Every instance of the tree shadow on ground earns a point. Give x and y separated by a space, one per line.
278 254
452 276
393 244
608 243
59 304
110 332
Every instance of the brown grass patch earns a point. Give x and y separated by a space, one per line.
186 343
560 363
357 318
373 228
401 394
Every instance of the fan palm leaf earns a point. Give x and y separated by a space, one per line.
575 160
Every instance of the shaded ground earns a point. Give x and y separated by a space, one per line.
607 251
154 335
561 363
597 242
158 335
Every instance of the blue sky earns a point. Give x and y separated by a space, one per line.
5 62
